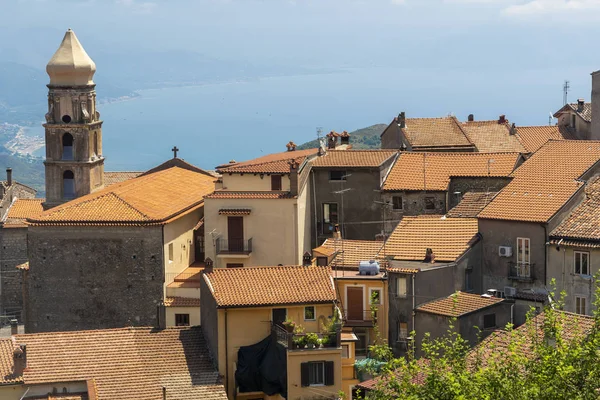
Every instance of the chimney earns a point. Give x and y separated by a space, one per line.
332 140
19 360
208 265
513 129
502 119
471 118
580 104
293 177
161 316
307 259
9 176
14 327
291 146
402 120
345 138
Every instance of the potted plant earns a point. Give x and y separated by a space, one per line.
300 341
324 341
289 325
312 340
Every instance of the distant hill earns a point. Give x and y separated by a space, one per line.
26 170
365 138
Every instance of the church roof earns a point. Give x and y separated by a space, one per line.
146 200
20 210
71 65
110 178
180 163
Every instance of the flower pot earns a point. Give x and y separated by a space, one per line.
289 328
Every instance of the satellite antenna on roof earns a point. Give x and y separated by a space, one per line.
566 88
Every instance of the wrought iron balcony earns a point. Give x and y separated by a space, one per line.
233 246
519 271
354 317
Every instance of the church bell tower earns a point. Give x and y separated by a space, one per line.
74 161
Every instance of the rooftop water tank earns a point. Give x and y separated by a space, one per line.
368 267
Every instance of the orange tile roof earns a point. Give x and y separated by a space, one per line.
7 346
492 137
352 158
458 304
225 194
129 363
449 238
110 178
545 182
583 224
263 286
585 113
471 204
277 163
403 270
235 211
352 252
148 199
20 210
435 132
534 137
407 173
177 301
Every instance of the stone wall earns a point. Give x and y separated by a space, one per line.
209 321
93 277
463 185
413 203
13 252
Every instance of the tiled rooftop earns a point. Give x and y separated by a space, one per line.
177 301
534 137
471 204
127 363
492 137
352 252
225 194
20 210
353 158
110 178
449 238
432 171
435 132
458 304
585 113
148 199
263 286
277 163
548 179
583 224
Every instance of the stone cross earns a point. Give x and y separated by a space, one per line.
175 150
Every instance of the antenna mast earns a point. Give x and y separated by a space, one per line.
566 88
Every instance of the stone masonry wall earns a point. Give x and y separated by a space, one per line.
13 252
93 277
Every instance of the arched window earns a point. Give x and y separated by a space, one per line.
68 185
96 143
67 146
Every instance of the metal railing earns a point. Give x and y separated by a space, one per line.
297 341
521 271
359 316
233 246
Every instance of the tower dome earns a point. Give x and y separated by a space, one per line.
71 65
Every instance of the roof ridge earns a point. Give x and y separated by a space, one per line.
104 330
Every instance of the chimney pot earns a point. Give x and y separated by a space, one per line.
291 146
9 176
502 119
14 327
471 118
19 360
402 120
208 265
580 104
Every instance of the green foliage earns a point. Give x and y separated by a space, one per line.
312 339
365 138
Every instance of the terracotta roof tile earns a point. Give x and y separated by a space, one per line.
131 363
277 163
458 304
548 179
492 137
225 194
403 270
152 198
471 204
352 252
534 137
407 173
353 158
262 286
178 301
449 238
234 211
583 224
7 346
20 210
585 113
435 132
110 178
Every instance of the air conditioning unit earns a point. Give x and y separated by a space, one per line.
510 291
505 251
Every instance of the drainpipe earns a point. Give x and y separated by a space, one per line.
226 356
414 305
512 313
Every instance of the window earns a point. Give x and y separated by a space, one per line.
309 313
96 143
489 321
469 279
337 175
401 287
317 373
402 331
321 261
375 296
573 121
234 265
330 217
582 263
67 146
429 203
68 185
275 182
397 203
345 351
523 250
278 315
182 319
580 305
170 252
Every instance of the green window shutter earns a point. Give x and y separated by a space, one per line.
304 375
329 378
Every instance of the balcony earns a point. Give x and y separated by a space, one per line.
523 272
359 318
295 341
233 248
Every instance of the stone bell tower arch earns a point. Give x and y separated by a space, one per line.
74 161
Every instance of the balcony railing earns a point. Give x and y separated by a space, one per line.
233 246
296 341
359 317
519 271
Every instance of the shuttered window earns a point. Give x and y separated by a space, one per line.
317 373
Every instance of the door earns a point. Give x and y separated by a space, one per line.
235 234
279 315
355 304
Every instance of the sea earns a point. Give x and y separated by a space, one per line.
214 123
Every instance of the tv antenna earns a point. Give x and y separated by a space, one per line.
566 88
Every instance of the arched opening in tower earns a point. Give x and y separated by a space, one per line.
67 146
68 185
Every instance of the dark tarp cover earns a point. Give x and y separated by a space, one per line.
262 367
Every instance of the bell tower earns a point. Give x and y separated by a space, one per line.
74 161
